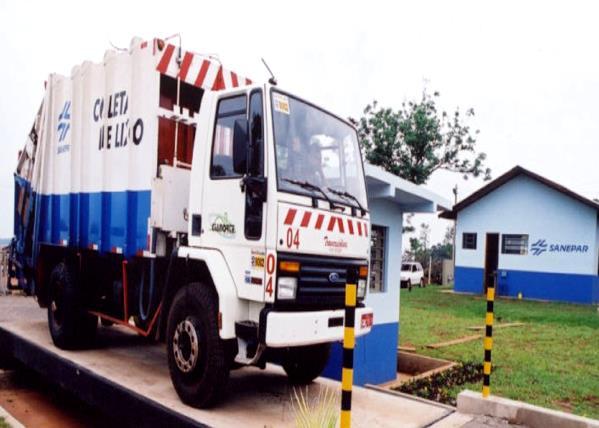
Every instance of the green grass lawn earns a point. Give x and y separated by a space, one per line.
3 423
552 361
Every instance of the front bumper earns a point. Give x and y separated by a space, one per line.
285 329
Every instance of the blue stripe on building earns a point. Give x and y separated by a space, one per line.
469 279
107 219
375 356
563 287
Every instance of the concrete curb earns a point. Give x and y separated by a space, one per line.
410 397
10 420
517 412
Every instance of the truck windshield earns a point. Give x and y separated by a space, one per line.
315 147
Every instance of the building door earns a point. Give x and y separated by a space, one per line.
491 258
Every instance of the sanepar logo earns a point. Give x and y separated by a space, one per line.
541 246
64 121
538 247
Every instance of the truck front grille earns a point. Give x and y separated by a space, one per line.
318 286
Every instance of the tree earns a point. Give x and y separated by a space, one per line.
419 250
448 237
417 140
408 227
425 233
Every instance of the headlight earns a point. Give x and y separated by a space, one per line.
361 288
286 288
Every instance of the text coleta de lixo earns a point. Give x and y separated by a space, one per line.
118 133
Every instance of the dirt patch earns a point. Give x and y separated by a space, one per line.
436 387
34 402
564 405
417 366
593 399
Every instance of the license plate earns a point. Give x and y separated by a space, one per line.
366 320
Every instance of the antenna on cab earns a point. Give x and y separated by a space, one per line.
272 80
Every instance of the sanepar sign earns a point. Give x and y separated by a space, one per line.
541 246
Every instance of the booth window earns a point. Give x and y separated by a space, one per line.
378 239
469 241
514 244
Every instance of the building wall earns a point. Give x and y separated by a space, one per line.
525 206
375 355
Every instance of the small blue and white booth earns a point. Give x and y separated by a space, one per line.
389 198
541 238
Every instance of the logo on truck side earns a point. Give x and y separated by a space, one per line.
222 225
117 132
64 124
64 119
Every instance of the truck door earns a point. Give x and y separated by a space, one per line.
233 205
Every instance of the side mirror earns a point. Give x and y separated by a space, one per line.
240 146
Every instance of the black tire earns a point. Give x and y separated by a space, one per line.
200 380
304 364
7 361
71 327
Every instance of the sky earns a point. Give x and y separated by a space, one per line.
529 69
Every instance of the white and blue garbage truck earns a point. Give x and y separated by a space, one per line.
162 192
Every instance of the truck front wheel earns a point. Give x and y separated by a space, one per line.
70 326
196 354
304 364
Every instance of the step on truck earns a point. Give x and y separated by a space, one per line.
160 191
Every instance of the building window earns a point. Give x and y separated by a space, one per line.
514 244
469 241
378 239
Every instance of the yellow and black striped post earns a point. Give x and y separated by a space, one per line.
488 342
349 342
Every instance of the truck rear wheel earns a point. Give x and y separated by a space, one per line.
196 354
70 326
304 364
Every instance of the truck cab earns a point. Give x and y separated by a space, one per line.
277 207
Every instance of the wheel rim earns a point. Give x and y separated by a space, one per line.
186 346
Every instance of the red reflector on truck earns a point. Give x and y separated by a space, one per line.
366 321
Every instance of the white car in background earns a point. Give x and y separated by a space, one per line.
411 274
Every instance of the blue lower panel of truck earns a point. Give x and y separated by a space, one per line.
108 220
564 287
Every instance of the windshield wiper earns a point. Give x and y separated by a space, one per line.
307 185
349 196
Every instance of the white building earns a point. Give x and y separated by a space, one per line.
541 238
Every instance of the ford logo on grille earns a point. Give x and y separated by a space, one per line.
333 277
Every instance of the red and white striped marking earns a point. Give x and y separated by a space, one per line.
198 70
328 222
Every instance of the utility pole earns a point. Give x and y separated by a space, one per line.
430 267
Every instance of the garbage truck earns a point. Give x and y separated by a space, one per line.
160 191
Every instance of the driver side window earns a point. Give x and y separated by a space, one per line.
229 110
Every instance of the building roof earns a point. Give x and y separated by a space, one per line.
409 196
500 181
